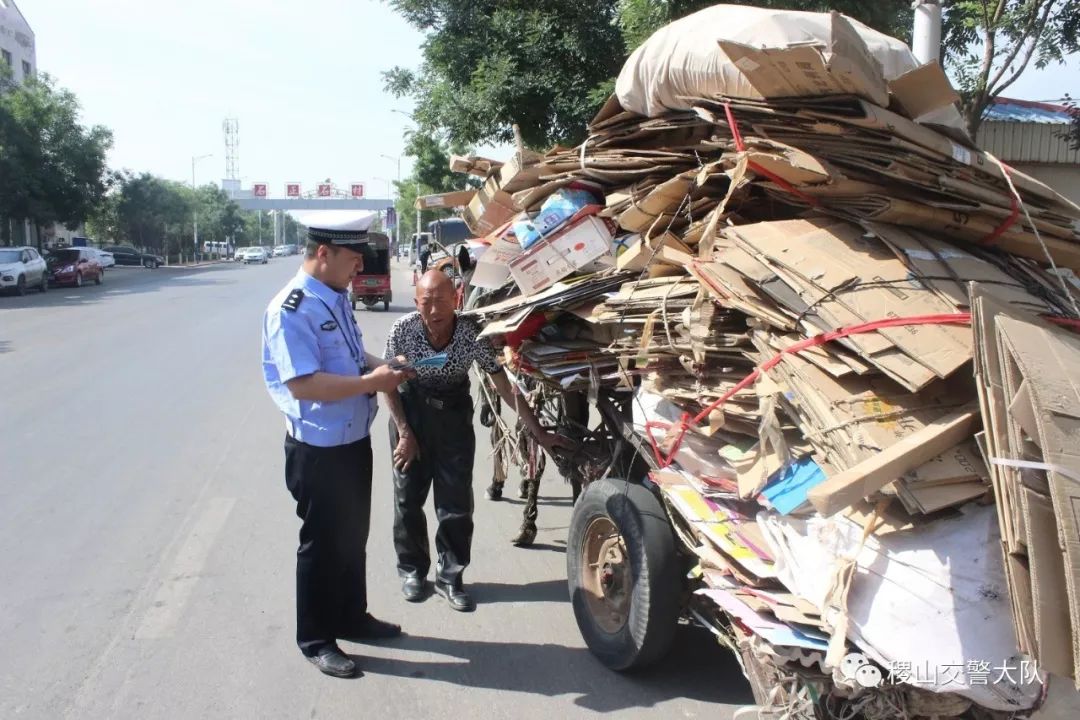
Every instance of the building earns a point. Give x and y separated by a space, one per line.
18 51
1029 136
17 47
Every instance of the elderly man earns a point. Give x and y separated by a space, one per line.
324 383
431 433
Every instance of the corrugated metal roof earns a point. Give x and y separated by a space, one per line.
1026 111
1032 142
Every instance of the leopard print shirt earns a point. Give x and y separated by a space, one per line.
407 337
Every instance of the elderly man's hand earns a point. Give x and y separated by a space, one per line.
406 451
551 441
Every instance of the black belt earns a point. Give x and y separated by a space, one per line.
445 402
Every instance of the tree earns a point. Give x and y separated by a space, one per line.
491 63
546 66
52 168
990 43
432 169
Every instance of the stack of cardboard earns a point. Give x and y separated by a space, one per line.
794 274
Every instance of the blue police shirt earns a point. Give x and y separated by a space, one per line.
315 333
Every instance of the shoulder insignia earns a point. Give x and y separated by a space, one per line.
329 325
292 302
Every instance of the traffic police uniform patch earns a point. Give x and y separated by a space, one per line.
292 302
329 325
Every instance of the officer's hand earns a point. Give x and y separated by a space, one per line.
385 379
406 451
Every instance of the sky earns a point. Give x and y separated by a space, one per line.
303 79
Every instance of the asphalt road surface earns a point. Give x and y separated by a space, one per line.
147 539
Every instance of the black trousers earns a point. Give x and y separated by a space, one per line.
447 448
332 489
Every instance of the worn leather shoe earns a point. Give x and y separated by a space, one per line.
413 588
371 628
457 597
332 661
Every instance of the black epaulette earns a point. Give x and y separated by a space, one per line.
293 301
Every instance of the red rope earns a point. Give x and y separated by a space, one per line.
734 127
686 421
1007 222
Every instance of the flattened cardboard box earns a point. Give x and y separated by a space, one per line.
560 254
460 198
844 67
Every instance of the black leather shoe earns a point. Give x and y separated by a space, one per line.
413 588
494 492
457 597
332 661
371 628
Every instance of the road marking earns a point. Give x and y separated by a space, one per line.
186 570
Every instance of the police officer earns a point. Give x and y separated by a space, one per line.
320 376
431 433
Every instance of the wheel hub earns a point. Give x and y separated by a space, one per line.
606 576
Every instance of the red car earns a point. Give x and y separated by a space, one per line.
73 266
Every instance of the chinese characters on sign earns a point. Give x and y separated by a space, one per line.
292 190
358 190
325 190
972 672
258 190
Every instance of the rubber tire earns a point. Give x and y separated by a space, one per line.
44 283
100 277
20 286
656 595
78 279
386 305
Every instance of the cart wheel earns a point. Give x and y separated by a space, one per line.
623 573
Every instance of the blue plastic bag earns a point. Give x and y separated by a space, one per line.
557 209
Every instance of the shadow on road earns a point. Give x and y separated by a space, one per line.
5 346
697 668
544 591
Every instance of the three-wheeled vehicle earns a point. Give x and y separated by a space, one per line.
372 284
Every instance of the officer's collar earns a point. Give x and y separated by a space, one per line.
318 288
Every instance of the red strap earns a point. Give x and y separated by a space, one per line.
685 422
1007 222
734 127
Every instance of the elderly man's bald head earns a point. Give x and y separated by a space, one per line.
434 282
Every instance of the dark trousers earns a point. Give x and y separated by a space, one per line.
332 489
447 446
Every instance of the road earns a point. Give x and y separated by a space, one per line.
147 539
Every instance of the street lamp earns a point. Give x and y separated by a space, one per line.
195 207
402 112
397 221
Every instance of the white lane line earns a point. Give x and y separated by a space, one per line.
172 597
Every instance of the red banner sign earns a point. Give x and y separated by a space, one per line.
258 190
292 190
325 190
358 190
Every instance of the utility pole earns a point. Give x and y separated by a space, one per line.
926 33
195 207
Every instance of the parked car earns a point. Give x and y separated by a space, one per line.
22 268
254 255
283 250
104 257
74 266
127 255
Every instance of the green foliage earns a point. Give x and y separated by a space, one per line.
990 43
52 168
158 214
489 64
